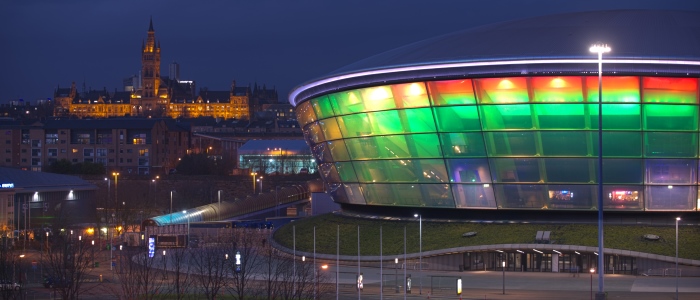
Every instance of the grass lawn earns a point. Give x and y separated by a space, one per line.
441 235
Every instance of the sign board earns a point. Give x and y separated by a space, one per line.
7 185
151 246
238 261
459 286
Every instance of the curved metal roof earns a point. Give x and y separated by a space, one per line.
632 34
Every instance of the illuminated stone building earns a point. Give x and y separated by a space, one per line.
154 95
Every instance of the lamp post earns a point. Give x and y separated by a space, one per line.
171 207
116 190
677 220
253 174
188 227
218 209
503 267
93 253
420 251
155 189
592 271
396 273
600 49
261 182
109 188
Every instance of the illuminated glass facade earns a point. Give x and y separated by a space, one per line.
510 143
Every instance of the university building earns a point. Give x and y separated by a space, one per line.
150 94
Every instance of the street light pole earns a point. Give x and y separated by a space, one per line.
253 174
592 271
171 207
677 220
116 190
600 49
218 209
188 227
420 251
503 265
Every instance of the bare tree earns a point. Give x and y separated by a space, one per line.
248 243
139 277
8 266
178 267
209 265
67 264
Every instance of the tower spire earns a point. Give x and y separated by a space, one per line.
150 26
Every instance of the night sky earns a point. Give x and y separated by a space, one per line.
281 43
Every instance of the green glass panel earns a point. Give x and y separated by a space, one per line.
561 116
338 150
670 117
670 144
419 120
330 129
669 96
572 170
516 170
457 118
623 171
566 143
346 171
322 106
405 170
463 144
347 102
511 143
355 125
517 116
616 116
618 144
394 146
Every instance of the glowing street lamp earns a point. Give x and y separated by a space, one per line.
253 174
600 49
678 219
420 250
592 271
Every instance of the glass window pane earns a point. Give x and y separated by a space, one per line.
346 171
473 196
516 170
571 196
671 171
457 118
615 89
475 170
377 98
622 170
346 193
314 134
355 125
520 143
495 117
387 122
521 196
670 144
394 146
322 107
305 113
338 150
452 92
623 197
557 89
566 143
670 90
674 197
405 170
419 120
329 173
616 116
670 117
561 116
346 102
410 95
330 128
502 90
618 144
463 144
320 152
431 195
574 170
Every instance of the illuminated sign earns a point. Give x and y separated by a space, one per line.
238 261
7 185
151 246
459 286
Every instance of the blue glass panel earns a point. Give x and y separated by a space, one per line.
469 170
473 196
672 197
670 171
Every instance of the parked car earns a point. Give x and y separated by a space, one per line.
55 283
9 285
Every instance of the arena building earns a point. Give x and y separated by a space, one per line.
505 117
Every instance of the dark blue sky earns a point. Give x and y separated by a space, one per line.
282 43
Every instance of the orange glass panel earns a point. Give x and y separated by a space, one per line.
502 90
452 92
615 89
557 89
